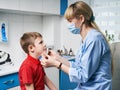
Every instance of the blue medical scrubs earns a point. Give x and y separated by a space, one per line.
92 66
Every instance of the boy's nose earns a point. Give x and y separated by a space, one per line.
44 45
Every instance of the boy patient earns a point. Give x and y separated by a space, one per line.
31 73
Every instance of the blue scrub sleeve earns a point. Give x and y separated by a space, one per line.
89 62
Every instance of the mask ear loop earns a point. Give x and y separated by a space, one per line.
81 27
82 24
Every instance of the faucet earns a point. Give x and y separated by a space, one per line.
65 50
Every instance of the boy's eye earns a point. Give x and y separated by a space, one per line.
41 42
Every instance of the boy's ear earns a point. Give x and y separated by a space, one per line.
30 48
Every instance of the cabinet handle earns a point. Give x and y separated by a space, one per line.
8 82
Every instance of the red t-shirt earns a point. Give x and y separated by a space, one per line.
32 72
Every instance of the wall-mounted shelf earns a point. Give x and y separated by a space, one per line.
38 7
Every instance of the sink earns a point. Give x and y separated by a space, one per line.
68 56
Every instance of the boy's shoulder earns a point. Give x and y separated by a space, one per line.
25 63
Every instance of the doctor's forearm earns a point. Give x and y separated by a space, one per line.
64 61
65 68
62 66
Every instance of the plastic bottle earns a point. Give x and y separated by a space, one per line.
70 52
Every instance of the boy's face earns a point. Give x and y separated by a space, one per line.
40 46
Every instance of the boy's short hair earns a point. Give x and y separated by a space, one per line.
27 39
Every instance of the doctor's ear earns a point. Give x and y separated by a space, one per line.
82 18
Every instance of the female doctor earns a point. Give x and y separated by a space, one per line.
92 66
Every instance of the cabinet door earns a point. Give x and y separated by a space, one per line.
65 83
31 5
51 6
9 4
9 81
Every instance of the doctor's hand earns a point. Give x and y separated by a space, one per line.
49 60
54 55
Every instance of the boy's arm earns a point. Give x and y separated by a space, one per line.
49 84
29 86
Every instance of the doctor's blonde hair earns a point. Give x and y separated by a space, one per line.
81 8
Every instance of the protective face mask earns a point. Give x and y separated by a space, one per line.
73 29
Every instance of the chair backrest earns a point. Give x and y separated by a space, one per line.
115 48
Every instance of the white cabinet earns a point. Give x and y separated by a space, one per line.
51 6
73 1
51 31
31 5
9 4
36 6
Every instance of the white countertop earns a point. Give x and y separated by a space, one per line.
7 68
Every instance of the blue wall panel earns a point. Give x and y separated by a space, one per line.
63 6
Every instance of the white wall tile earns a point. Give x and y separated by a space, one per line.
17 25
68 39
20 23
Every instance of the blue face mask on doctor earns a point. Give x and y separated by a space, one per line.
73 29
